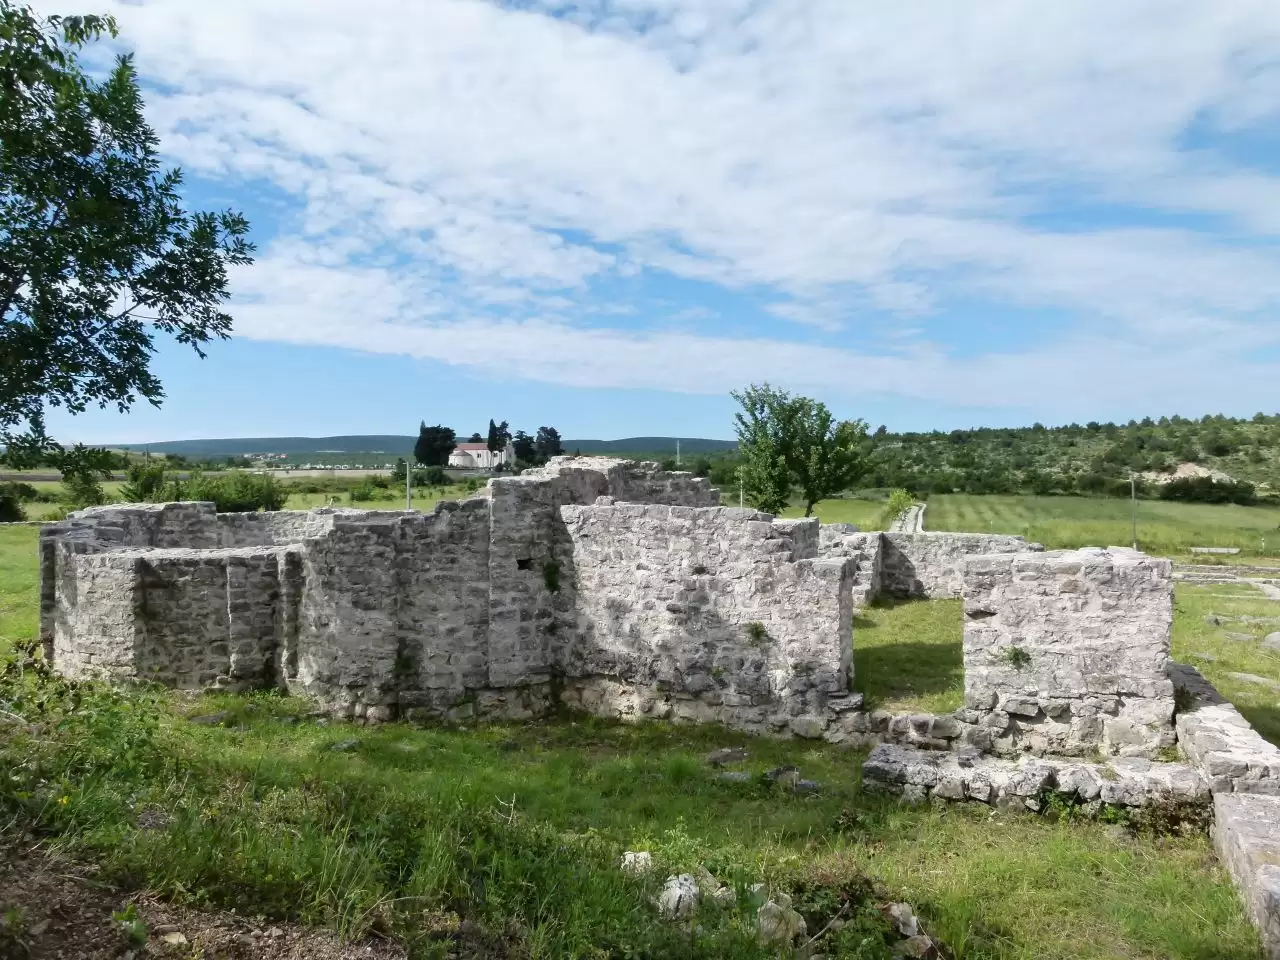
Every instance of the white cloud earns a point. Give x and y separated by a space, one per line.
459 161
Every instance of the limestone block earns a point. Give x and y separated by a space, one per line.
1130 782
1081 634
1219 742
1247 836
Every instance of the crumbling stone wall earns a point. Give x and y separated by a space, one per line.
369 612
1068 651
932 564
706 613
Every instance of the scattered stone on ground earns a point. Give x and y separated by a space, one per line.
727 755
64 912
1238 637
710 886
1272 641
734 776
1206 657
903 918
806 786
1256 680
778 922
637 862
212 719
787 775
679 897
345 746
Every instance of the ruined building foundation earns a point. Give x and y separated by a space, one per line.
625 591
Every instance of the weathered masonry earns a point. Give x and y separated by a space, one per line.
626 591
614 586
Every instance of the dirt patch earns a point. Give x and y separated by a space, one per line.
53 909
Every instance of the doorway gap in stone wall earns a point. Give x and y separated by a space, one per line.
908 655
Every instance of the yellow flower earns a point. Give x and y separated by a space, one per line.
63 801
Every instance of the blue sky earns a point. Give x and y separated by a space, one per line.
606 215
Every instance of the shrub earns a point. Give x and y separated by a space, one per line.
431 477
233 491
145 484
368 489
899 502
1208 490
81 490
10 505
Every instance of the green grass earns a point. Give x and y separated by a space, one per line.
516 829
423 499
19 585
1063 522
866 514
1193 635
907 657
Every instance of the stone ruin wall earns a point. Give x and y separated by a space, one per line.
706 614
1068 652
547 588
453 613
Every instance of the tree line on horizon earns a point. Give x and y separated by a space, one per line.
436 443
1093 459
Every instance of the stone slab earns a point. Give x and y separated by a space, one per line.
969 775
1247 837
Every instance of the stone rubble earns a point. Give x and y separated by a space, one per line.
777 921
679 897
636 862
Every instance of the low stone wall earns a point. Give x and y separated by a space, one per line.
1246 835
486 605
1219 741
932 564
1068 652
1124 781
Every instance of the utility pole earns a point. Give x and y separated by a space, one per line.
408 483
677 454
1133 499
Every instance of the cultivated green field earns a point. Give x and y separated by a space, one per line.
502 841
423 499
866 514
1062 522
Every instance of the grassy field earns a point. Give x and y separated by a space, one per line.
424 498
504 839
1219 649
1061 522
907 656
866 514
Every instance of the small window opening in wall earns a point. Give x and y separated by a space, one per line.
525 563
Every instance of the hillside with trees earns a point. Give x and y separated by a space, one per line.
1238 459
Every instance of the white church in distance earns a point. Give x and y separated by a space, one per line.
477 456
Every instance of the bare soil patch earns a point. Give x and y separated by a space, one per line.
54 909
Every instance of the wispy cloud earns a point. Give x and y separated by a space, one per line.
468 174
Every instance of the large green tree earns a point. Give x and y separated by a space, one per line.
499 436
434 445
547 444
97 253
789 442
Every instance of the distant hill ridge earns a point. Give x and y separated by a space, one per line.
395 445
